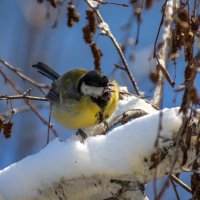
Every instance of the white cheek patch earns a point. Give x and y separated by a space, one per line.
91 90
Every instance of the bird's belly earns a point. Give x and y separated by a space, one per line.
80 114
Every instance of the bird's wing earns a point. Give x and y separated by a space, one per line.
64 89
54 95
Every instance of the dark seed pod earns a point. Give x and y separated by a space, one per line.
182 19
148 4
76 17
8 129
189 73
189 46
87 34
91 20
97 54
1 123
72 14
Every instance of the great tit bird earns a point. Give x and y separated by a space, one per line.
80 98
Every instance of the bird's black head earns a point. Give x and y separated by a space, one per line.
95 78
93 83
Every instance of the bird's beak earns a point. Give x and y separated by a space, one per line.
109 88
110 84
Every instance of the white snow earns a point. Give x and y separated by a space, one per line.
128 103
120 152
133 102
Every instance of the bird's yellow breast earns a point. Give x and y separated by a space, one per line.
85 112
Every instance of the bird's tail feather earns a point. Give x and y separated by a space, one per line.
46 71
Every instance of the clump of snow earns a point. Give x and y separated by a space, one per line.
128 102
119 153
132 102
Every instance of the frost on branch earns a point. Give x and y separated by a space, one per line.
114 165
93 4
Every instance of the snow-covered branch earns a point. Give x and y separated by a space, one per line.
101 166
163 51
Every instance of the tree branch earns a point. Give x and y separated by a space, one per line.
183 185
105 30
167 10
24 77
15 97
92 172
13 85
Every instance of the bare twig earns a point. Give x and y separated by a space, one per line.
121 119
160 25
139 22
13 85
106 31
112 3
15 97
167 10
24 77
127 116
49 122
119 67
178 181
161 59
160 84
21 109
129 73
175 189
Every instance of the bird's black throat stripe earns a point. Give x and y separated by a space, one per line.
100 117
101 102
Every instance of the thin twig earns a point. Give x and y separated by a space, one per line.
121 119
120 67
13 85
159 87
181 183
158 32
24 77
158 93
15 97
166 12
125 117
106 31
49 122
112 3
21 109
139 23
175 189
128 71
